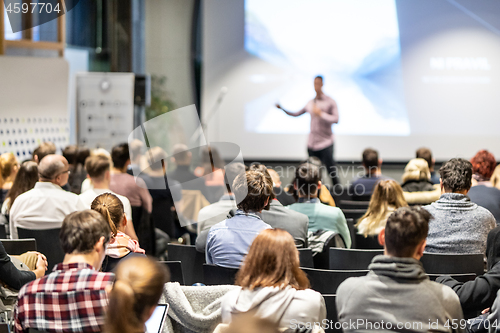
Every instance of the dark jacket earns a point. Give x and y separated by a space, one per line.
479 294
417 186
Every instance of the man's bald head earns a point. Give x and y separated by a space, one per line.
51 166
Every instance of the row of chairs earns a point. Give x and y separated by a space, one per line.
322 280
338 259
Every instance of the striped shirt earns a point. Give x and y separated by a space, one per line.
70 299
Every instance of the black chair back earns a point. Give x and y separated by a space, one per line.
322 259
459 277
191 260
144 228
217 275
350 204
17 247
306 258
331 314
47 243
351 259
109 264
440 263
175 268
354 214
3 232
367 243
327 281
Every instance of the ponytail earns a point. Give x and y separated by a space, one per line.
111 208
104 211
138 287
121 309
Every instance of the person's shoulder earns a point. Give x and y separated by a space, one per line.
444 293
309 294
294 214
97 279
351 286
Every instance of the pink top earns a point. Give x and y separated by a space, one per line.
321 135
138 194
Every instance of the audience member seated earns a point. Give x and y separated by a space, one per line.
218 211
459 225
25 180
321 217
228 241
396 291
120 245
44 149
135 295
273 287
80 174
12 277
136 157
182 173
134 189
282 195
277 216
46 205
166 194
324 194
72 298
416 177
87 183
8 170
362 187
495 177
479 294
482 191
426 154
386 198
417 187
211 167
99 171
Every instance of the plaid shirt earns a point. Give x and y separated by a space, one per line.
70 299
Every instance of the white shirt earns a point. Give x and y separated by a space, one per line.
88 196
43 207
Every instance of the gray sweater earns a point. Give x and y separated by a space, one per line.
458 226
397 292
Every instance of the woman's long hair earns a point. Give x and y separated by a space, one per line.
386 193
137 288
25 180
7 163
272 261
111 208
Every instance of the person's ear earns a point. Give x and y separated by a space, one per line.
124 220
295 187
99 246
441 186
380 161
420 249
381 237
107 175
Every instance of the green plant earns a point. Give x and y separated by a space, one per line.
160 98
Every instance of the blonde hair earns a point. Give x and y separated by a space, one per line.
111 208
417 169
495 177
138 287
7 163
386 193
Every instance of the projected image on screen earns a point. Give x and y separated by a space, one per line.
358 55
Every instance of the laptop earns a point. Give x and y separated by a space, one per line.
157 319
